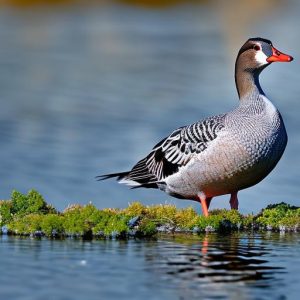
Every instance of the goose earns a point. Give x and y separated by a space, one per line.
222 154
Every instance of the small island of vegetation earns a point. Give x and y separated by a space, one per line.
30 215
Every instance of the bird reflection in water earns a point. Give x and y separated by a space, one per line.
221 259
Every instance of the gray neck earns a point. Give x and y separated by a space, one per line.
247 83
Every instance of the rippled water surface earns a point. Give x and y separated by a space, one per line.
207 267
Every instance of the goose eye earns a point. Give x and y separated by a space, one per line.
256 47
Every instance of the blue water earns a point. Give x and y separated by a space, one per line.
89 90
213 267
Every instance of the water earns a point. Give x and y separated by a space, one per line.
239 266
89 90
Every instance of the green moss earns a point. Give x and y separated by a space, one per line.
109 223
186 218
220 220
5 212
116 225
164 214
26 225
277 215
52 225
248 221
30 215
19 201
289 222
211 223
147 228
79 220
135 209
83 220
232 216
103 222
33 202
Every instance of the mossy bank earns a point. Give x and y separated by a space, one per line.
31 215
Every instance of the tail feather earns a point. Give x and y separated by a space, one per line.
139 176
125 178
119 176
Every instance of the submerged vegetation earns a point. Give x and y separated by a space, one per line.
31 215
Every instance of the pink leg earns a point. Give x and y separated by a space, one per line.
234 201
205 245
205 202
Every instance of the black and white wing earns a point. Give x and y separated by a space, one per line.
171 153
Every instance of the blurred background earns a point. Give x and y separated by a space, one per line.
88 87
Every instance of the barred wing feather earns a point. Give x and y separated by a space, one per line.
175 151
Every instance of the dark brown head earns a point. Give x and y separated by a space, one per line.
253 57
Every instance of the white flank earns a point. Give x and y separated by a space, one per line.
261 58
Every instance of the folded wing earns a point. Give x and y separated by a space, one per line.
172 153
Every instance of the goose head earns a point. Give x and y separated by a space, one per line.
259 52
253 57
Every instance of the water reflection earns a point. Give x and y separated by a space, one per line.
241 266
220 259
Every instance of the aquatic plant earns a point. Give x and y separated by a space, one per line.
5 212
52 225
33 202
29 214
280 216
26 225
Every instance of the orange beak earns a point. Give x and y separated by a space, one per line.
279 56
